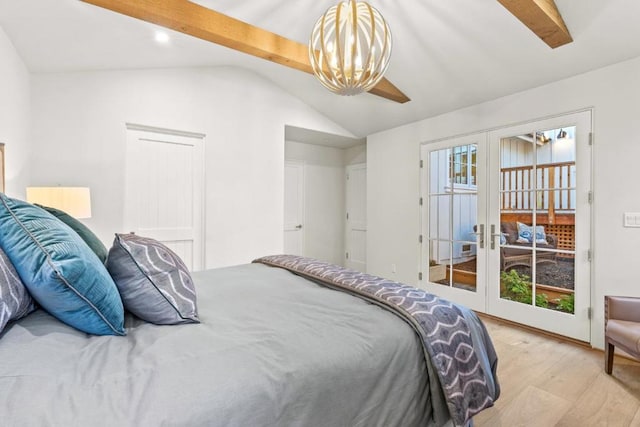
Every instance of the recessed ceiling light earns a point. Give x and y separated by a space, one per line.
162 37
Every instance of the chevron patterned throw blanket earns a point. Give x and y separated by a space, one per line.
460 353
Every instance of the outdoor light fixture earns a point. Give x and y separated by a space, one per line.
350 47
562 134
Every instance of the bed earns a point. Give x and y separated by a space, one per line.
284 341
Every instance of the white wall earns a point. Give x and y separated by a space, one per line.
355 155
324 182
614 92
79 139
14 117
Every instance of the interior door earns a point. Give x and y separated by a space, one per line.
294 208
540 224
356 224
453 261
164 190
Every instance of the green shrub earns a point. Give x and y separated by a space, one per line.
566 303
518 288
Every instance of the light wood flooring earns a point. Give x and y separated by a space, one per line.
546 382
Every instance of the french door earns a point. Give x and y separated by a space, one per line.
507 222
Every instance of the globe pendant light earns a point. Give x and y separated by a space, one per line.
350 47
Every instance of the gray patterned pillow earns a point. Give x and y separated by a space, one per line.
154 283
15 301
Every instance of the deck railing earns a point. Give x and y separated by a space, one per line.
554 198
553 192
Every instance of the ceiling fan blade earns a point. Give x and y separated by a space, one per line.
543 18
203 23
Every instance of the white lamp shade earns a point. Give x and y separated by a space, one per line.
76 201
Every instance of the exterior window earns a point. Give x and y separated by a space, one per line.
463 162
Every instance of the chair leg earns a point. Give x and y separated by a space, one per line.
608 358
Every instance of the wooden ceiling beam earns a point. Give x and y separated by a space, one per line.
206 24
543 18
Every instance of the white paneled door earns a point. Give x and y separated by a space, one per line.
164 190
356 227
294 207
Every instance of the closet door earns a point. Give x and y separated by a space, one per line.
294 208
164 191
356 225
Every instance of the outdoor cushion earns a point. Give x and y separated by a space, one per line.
526 234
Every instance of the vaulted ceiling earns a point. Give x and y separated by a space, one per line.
446 55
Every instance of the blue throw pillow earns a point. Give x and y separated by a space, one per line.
58 268
525 234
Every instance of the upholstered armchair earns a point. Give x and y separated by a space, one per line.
621 327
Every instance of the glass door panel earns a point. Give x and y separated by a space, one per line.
537 178
452 255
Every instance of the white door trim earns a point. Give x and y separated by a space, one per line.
164 131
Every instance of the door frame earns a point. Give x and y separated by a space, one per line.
587 230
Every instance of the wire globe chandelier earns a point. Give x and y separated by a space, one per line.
350 47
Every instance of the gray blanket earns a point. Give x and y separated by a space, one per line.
273 350
463 355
